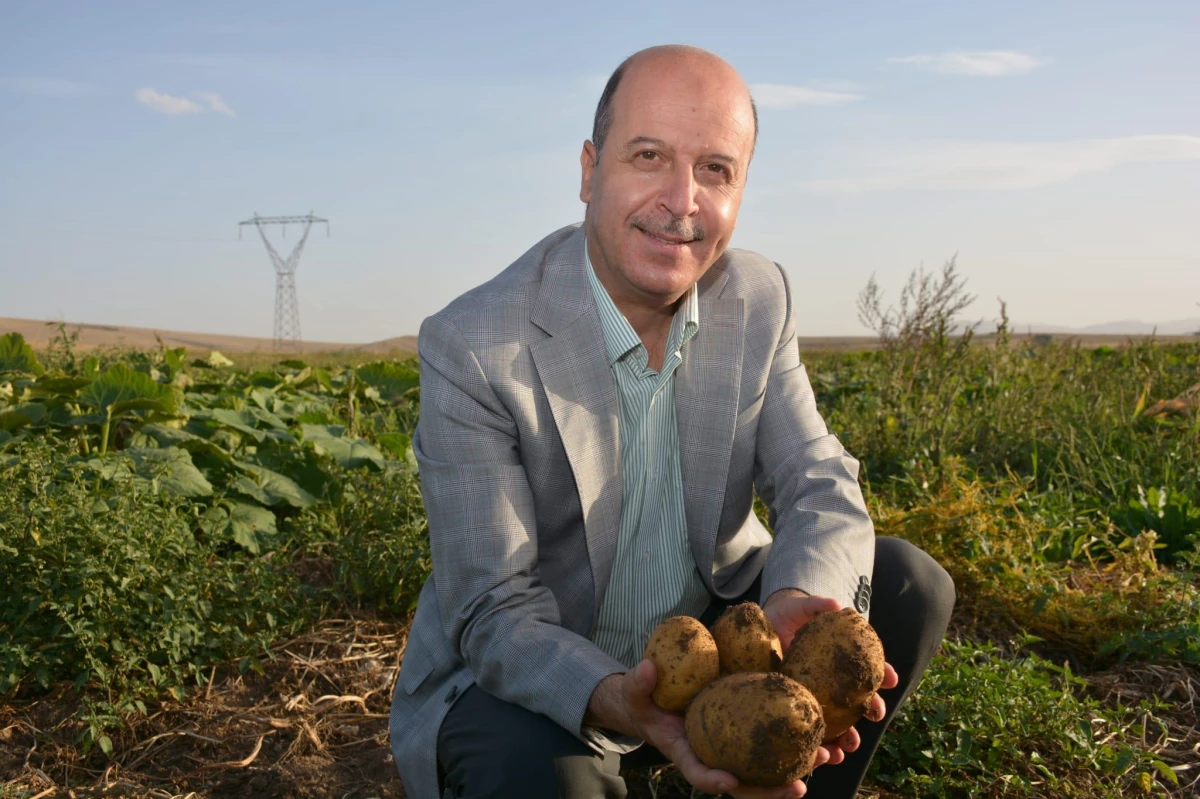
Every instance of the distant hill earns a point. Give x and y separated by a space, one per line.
39 333
1125 327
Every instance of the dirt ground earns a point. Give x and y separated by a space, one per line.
314 724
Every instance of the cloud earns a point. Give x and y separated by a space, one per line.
778 96
170 104
965 165
215 103
166 103
46 87
988 63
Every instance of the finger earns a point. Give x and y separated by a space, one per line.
849 741
890 678
643 679
823 756
792 791
877 710
836 755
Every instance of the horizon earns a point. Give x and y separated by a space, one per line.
1059 161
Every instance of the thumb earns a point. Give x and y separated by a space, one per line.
645 677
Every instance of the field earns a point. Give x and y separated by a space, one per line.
209 564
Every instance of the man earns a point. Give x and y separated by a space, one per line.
594 423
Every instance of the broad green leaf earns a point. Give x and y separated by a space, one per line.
242 421
349 452
267 418
6 437
248 525
270 487
17 356
122 389
20 415
173 469
391 380
174 359
293 363
396 444
59 386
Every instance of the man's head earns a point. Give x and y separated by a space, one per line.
664 173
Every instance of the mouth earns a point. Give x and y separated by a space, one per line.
668 241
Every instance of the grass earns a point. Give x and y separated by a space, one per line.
1068 514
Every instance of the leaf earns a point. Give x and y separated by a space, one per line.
395 443
250 526
5 438
349 452
121 389
59 386
174 358
270 487
18 356
173 469
18 416
392 380
241 421
218 361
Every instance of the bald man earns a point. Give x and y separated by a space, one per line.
595 421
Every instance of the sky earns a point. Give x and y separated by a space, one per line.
1053 148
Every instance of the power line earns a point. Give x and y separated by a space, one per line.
287 309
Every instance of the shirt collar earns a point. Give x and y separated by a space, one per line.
619 335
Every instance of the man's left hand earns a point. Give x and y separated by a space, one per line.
788 610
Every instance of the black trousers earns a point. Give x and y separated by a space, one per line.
490 748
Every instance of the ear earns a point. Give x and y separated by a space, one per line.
587 162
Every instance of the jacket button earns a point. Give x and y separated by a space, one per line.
862 597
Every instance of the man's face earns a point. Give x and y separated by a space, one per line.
663 195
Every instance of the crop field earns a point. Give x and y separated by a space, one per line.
208 565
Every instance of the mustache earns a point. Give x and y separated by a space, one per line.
671 229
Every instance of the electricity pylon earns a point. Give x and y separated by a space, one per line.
287 311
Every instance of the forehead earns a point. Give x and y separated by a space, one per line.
684 103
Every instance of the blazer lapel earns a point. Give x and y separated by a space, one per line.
707 388
573 367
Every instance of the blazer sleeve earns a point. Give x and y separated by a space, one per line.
824 540
496 614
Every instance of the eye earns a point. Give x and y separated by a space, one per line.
648 155
717 169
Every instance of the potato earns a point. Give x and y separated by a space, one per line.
763 728
839 658
685 657
746 641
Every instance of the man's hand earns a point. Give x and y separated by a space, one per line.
790 609
622 703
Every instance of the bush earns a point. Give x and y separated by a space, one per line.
116 587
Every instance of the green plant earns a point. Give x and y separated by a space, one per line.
989 724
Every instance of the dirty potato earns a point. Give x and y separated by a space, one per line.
746 641
763 728
839 658
685 657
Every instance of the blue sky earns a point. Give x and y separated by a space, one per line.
1055 147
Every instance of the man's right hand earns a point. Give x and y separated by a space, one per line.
622 703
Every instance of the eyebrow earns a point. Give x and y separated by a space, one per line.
640 140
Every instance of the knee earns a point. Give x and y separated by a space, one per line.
922 585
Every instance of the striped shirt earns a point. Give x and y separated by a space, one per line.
654 574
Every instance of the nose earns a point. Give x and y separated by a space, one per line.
679 195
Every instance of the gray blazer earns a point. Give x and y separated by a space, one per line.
521 473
